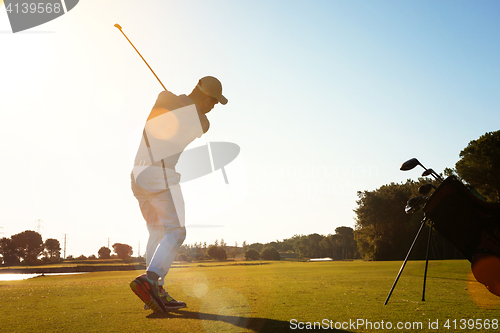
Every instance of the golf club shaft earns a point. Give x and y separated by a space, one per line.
405 261
426 261
433 174
120 28
438 177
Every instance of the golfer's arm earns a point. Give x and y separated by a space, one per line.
205 124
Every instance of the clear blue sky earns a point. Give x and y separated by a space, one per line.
326 98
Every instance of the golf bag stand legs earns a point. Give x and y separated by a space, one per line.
406 259
426 260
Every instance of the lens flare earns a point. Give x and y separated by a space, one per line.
195 284
480 294
227 306
163 130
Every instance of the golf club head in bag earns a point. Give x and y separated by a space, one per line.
432 173
471 225
413 162
427 172
415 204
410 164
426 188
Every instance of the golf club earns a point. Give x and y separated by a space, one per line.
412 163
432 173
120 28
415 204
425 189
405 261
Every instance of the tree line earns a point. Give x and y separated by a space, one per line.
338 246
382 231
28 248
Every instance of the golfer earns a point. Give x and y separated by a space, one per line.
173 123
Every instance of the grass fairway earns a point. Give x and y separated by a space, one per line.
256 298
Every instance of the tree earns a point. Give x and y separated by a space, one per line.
212 251
8 252
29 245
104 253
327 244
314 249
217 252
301 246
480 165
347 242
382 227
252 254
183 257
256 246
53 249
123 251
221 254
270 253
234 252
276 244
288 244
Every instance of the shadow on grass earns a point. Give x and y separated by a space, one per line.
453 279
261 325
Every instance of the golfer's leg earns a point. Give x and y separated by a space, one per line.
156 233
154 225
170 208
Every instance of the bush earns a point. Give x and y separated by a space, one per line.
217 252
252 254
183 257
202 257
270 253
233 253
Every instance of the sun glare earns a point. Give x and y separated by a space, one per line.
480 294
165 129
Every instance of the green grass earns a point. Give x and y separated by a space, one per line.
251 298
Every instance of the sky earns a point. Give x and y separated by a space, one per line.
326 98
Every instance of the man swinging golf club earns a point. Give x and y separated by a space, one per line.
174 122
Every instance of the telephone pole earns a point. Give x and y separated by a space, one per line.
39 226
64 246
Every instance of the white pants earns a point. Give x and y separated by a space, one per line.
164 214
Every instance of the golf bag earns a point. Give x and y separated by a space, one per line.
471 225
